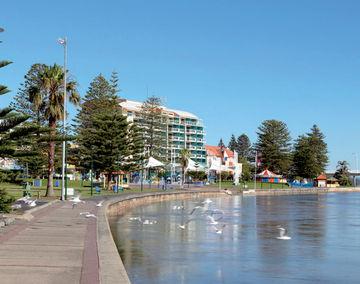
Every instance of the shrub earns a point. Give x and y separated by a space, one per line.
5 201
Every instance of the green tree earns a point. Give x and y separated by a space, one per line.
135 146
38 143
342 173
274 145
319 147
100 97
221 143
46 95
310 154
107 141
243 147
184 162
10 133
232 143
246 169
152 123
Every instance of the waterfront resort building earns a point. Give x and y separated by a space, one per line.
184 130
224 160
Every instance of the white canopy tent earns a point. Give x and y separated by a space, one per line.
194 166
153 163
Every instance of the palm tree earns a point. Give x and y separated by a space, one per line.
47 96
184 161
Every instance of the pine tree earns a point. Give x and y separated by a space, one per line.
232 143
135 146
101 96
221 143
274 145
243 147
319 147
310 154
10 133
152 123
106 141
342 173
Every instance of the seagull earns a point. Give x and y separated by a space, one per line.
183 226
135 219
207 201
214 212
212 220
100 203
194 209
178 207
32 203
228 192
282 234
23 199
149 222
16 206
219 230
77 199
88 214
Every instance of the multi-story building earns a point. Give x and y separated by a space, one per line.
184 130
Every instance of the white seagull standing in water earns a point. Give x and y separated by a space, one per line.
282 235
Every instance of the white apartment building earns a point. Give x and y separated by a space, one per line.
184 130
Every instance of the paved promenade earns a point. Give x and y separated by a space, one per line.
57 246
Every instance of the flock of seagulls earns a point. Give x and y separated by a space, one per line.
203 210
24 201
213 215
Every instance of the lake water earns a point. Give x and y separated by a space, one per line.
324 245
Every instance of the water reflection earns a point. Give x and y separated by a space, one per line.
324 245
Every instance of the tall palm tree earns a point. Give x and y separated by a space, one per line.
47 96
184 162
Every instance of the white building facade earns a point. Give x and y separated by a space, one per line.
184 130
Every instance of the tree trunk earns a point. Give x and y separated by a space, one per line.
109 181
51 161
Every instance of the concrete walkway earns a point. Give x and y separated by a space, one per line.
56 246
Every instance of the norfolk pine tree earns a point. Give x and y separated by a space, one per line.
274 145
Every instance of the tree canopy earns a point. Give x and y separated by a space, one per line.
274 147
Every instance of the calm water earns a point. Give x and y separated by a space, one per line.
325 244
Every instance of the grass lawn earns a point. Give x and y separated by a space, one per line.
82 188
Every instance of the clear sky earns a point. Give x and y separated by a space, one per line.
233 63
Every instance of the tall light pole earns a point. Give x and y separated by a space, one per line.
357 167
63 42
255 170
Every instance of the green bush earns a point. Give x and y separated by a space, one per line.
5 201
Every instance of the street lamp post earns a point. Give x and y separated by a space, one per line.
63 42
255 170
357 167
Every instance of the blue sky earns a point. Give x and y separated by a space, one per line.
233 63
